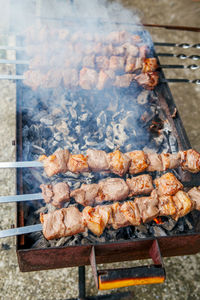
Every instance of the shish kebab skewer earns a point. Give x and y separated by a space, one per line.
70 221
116 162
111 189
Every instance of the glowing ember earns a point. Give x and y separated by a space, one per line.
158 220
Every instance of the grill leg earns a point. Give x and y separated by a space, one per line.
81 282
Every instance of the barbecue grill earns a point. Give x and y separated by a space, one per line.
185 242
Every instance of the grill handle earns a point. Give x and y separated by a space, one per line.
117 278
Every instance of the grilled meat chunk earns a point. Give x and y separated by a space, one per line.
102 62
138 161
183 204
33 78
168 184
96 219
86 194
47 192
118 162
52 79
55 163
112 189
154 162
170 161
88 78
131 213
123 80
190 160
166 206
56 194
118 37
140 185
148 207
61 194
70 78
131 49
89 61
103 80
147 80
97 160
194 195
118 219
116 63
149 65
130 64
62 222
77 163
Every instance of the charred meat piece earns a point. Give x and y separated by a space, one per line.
168 184
118 162
190 160
148 80
96 219
77 163
88 78
194 195
55 163
138 161
86 194
47 192
170 161
61 194
140 185
97 160
166 206
62 222
70 78
118 219
112 189
149 65
155 162
123 80
116 63
102 62
148 207
183 204
131 213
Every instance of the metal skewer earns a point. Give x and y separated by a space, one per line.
21 198
21 164
20 230
181 56
182 45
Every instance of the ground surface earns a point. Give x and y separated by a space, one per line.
182 281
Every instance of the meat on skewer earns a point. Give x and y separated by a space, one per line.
69 221
110 189
118 163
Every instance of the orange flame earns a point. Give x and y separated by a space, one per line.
158 220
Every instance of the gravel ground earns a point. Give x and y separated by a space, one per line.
182 272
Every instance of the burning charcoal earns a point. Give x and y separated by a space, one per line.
141 231
143 97
157 231
169 224
41 242
48 122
